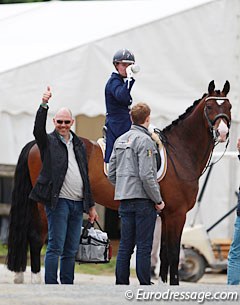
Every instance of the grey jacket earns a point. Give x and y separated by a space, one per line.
133 168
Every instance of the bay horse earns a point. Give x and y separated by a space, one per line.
189 142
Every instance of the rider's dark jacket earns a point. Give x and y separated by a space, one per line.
54 158
118 101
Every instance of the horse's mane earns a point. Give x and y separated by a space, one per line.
184 115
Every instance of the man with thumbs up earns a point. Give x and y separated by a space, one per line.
63 187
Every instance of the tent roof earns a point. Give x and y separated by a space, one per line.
32 31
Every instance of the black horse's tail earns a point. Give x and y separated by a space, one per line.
20 214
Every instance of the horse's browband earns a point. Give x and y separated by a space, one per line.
216 98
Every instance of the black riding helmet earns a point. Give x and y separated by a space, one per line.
124 55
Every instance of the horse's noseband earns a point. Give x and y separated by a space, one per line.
211 123
224 116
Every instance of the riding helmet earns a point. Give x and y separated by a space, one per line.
124 55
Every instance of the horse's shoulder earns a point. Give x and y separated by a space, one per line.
87 142
90 145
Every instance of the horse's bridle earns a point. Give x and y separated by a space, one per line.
211 123
213 131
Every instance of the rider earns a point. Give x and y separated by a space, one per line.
118 99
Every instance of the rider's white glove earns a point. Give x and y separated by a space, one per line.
132 69
129 71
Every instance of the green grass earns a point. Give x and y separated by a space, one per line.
3 250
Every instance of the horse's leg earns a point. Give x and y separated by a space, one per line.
164 264
38 230
174 251
37 237
35 256
174 226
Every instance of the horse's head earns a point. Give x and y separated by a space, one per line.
217 111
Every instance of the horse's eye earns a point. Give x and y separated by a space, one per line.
209 107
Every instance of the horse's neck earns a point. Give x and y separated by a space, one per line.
190 140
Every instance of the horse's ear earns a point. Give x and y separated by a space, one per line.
226 88
211 87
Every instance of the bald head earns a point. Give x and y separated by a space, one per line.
63 112
63 122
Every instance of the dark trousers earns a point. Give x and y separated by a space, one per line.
116 126
138 219
64 230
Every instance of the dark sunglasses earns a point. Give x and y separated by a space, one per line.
60 122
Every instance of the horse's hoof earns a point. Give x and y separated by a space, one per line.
174 281
18 278
161 282
36 278
163 278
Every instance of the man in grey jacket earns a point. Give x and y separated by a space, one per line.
133 171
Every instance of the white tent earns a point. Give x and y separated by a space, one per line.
180 46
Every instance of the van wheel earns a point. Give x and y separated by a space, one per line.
193 266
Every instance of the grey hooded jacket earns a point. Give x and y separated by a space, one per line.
133 168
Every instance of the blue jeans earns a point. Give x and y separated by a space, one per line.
64 229
233 272
138 217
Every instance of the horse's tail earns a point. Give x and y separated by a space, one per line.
20 214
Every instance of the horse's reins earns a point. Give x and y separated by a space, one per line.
210 157
213 131
214 138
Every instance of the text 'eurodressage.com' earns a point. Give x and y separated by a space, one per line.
200 297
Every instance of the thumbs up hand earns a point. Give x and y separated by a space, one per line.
47 95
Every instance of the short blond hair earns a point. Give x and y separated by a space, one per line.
139 113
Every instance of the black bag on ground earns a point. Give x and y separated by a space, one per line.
94 246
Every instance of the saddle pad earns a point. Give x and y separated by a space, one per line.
101 142
162 170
